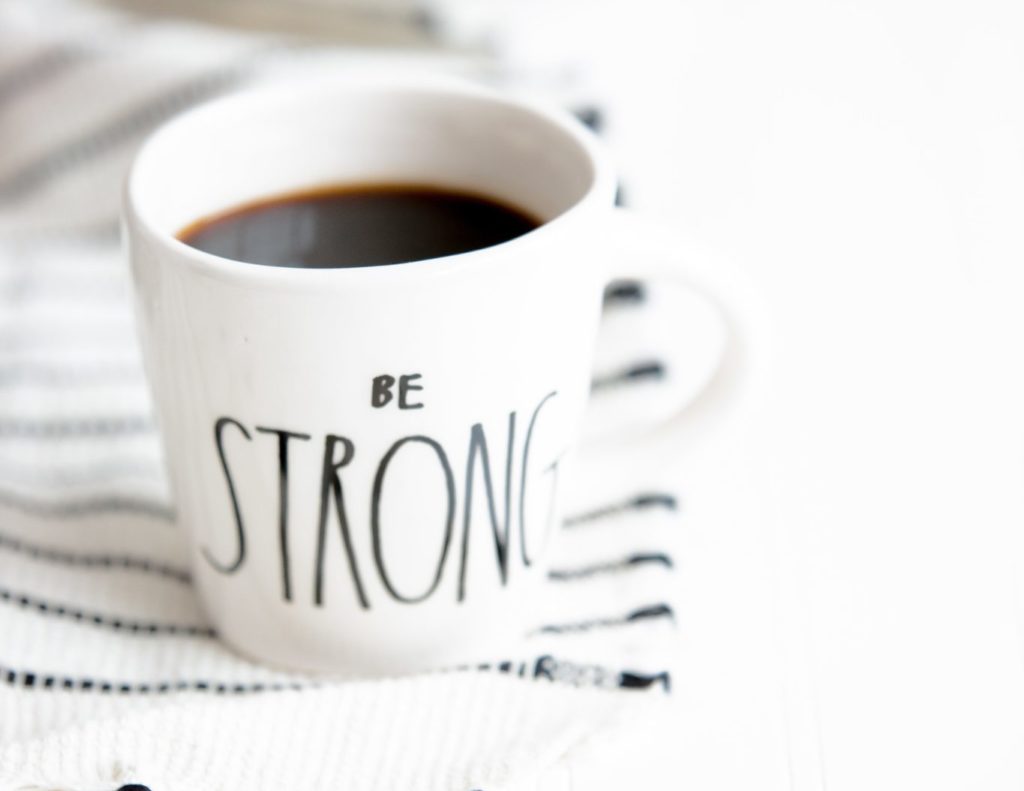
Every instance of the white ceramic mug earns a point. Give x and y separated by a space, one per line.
366 460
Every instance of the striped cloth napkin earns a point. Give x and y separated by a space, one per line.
109 673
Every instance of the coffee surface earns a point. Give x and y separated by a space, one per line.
355 226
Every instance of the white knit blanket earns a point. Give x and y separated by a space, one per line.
109 674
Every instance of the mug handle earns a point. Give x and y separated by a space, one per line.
649 251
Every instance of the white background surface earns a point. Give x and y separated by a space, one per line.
854 604
854 616
854 597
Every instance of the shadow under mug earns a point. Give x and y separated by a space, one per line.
327 533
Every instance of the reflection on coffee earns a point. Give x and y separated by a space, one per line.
356 226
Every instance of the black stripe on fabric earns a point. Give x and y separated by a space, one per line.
625 292
107 294
85 336
630 562
49 681
102 471
55 376
73 428
628 680
93 561
640 502
654 611
125 126
85 507
545 667
649 370
114 504
571 672
105 232
102 621
591 117
40 67
29 373
584 675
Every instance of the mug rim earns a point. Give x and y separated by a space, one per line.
600 190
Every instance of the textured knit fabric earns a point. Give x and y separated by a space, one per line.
109 673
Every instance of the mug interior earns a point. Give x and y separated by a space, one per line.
270 142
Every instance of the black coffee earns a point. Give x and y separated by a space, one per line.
357 226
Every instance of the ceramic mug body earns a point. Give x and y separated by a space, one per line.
366 461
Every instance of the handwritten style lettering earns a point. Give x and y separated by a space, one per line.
481 483
381 390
